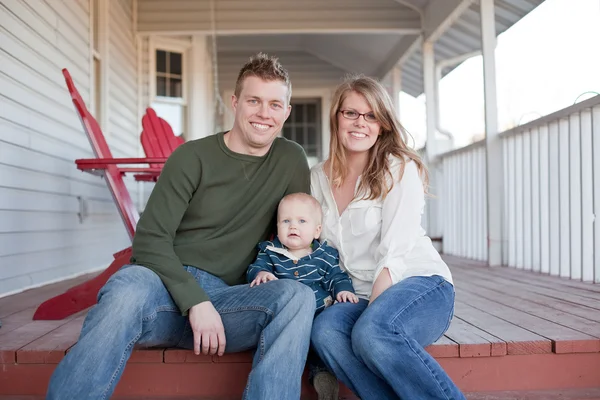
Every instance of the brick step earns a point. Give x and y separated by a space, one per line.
181 373
569 394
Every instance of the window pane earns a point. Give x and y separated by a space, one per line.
161 86
299 115
311 113
161 61
175 63
287 132
175 87
311 136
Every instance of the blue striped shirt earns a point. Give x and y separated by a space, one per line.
320 269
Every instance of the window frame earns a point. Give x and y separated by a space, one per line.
172 46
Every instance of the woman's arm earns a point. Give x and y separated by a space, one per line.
383 281
400 227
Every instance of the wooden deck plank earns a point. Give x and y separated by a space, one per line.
527 303
51 347
443 348
528 276
34 297
518 340
558 290
522 290
566 340
474 342
16 320
14 340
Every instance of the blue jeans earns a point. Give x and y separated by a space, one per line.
134 307
378 351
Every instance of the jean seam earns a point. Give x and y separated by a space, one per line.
424 361
392 321
129 345
238 309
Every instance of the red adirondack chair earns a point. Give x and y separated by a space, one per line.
84 295
158 140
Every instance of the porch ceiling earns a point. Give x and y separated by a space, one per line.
321 40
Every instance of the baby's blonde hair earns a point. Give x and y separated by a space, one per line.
305 198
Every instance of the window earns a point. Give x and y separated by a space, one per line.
304 126
169 74
168 81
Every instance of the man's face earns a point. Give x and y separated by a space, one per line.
260 111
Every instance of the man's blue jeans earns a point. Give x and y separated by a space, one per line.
134 307
377 350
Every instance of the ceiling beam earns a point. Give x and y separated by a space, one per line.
399 54
439 15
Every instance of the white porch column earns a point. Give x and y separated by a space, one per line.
430 98
396 88
495 171
199 111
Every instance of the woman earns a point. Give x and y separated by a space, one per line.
372 189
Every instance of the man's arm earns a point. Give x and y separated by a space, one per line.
155 232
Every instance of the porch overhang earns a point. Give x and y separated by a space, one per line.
331 38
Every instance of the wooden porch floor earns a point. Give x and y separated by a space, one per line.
512 331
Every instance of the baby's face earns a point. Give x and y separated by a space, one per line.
297 224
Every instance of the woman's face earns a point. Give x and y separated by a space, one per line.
358 135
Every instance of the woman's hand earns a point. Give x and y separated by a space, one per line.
383 281
346 296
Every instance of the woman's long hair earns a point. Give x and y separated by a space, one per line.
391 141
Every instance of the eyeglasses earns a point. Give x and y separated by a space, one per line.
353 115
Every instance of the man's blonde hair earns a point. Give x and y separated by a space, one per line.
307 199
266 68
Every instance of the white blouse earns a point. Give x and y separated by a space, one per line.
374 234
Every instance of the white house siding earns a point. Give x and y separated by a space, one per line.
41 236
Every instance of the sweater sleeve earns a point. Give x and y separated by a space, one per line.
262 262
401 223
159 222
335 280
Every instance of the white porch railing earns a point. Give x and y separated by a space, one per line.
550 199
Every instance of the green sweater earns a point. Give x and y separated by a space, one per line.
210 208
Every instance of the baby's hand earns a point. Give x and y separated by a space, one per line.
262 277
345 296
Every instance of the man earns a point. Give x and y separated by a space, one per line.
215 200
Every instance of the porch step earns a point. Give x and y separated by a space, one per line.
571 394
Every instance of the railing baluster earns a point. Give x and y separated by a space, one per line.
535 200
587 199
565 223
527 210
519 200
544 177
554 184
596 177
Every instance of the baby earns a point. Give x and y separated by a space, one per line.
297 254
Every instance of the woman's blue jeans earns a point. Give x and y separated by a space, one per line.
134 307
377 350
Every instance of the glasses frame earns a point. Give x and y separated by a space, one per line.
364 115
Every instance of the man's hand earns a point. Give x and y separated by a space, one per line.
345 296
262 277
208 329
384 281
